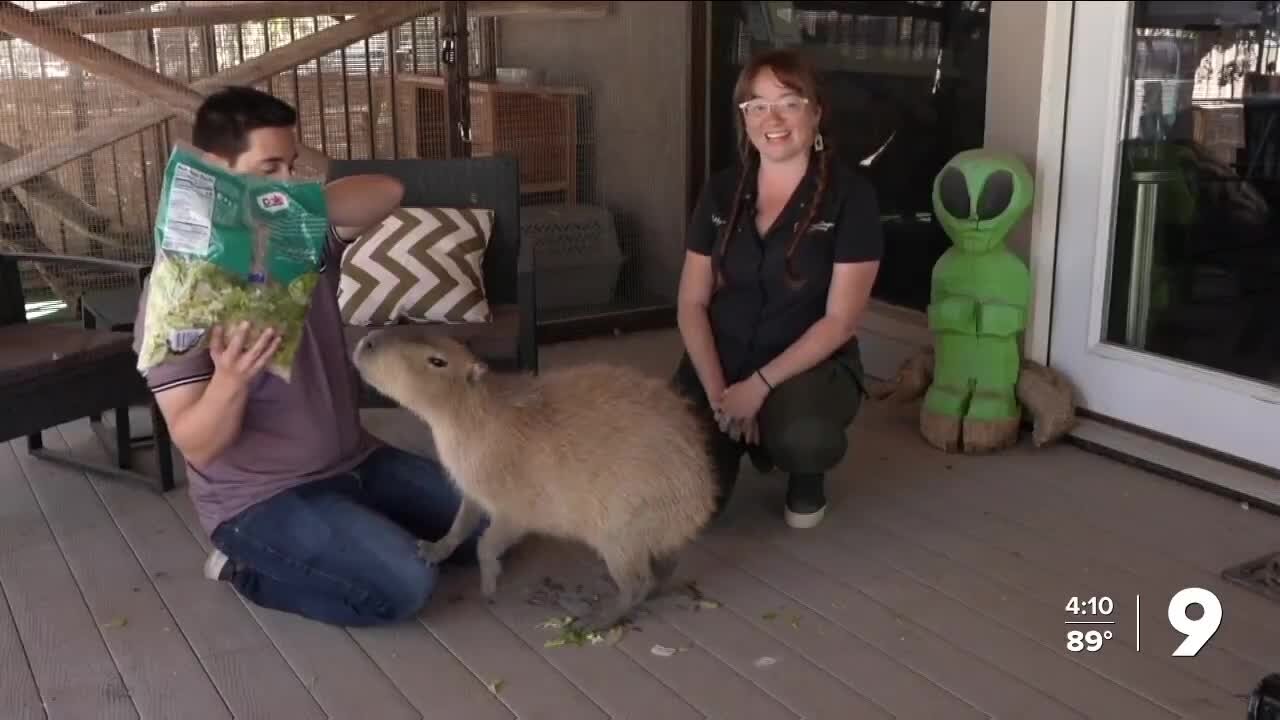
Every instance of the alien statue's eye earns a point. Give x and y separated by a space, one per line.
438 361
954 193
996 195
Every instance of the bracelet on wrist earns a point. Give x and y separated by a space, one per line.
765 380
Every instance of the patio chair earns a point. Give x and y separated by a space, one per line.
509 340
53 373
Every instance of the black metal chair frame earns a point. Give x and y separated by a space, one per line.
62 396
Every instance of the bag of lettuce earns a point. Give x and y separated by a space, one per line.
228 248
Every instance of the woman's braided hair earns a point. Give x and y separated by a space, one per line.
794 71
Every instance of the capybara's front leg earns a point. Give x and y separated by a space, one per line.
499 536
464 523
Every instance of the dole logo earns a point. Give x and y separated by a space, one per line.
273 201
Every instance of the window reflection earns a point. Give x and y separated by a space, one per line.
1195 262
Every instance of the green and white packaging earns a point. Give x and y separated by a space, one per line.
231 247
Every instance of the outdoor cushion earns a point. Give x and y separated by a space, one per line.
419 265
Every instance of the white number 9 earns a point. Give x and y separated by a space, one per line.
1198 630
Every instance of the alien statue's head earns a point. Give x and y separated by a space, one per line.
979 196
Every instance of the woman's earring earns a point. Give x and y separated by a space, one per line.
817 142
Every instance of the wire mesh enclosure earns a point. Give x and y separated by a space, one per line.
591 98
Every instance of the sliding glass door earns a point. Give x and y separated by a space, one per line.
1167 280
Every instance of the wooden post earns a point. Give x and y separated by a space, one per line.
456 62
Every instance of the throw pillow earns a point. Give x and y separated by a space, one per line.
418 265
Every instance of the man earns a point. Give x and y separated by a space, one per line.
308 512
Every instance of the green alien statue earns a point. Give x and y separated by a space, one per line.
980 298
974 380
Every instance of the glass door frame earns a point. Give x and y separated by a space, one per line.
1192 404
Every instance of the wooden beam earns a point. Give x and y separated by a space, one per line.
83 9
75 213
46 158
50 35
252 11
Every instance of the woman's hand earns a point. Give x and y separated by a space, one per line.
742 400
747 431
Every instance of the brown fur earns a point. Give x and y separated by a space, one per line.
599 454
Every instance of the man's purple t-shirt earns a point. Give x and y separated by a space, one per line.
292 433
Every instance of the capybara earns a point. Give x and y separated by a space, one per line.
601 454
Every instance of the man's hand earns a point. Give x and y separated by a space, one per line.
235 363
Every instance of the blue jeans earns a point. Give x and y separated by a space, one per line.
343 550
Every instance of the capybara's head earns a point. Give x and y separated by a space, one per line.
414 370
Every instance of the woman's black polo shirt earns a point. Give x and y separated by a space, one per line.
757 314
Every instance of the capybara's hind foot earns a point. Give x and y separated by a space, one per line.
601 621
664 568
633 574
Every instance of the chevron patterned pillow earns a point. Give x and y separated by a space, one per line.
418 265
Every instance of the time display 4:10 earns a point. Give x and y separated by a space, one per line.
1091 606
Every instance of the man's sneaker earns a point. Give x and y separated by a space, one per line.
806 501
215 565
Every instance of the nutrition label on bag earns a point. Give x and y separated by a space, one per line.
189 220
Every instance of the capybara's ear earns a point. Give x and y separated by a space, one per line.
476 371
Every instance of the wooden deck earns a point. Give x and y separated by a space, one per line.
937 585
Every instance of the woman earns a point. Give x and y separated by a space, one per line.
782 253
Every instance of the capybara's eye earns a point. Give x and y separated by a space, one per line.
438 361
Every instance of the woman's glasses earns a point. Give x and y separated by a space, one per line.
759 108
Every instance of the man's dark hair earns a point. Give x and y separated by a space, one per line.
226 118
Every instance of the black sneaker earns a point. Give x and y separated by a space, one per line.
806 501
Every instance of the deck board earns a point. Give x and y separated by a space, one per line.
69 659
1039 567
18 694
529 685
936 586
344 681
410 655
875 674
961 668
1035 518
1173 683
144 640
250 674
